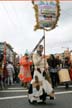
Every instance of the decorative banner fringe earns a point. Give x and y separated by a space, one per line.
37 10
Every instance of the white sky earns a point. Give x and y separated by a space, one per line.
17 20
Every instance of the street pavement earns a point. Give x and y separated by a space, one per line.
16 97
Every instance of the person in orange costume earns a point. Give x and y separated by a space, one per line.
26 63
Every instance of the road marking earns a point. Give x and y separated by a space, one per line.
13 91
13 88
63 86
13 97
25 96
22 88
64 92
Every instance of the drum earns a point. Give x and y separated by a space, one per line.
64 75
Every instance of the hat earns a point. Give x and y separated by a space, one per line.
40 46
26 52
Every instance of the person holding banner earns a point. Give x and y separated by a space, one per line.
41 70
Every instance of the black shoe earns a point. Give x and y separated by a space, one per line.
33 102
66 86
29 101
51 98
43 102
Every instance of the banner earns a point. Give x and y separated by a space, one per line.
47 13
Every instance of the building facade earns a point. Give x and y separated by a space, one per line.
7 51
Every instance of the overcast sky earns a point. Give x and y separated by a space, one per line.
17 20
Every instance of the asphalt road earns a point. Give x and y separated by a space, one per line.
16 97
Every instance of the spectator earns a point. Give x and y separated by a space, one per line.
11 72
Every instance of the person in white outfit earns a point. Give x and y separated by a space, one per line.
36 91
11 72
41 70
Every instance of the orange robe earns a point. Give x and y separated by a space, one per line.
26 65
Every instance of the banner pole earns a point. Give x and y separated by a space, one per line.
44 47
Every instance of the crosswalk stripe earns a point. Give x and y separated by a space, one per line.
14 91
63 86
25 96
13 88
21 89
13 97
64 92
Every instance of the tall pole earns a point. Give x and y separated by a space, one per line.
44 41
44 47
